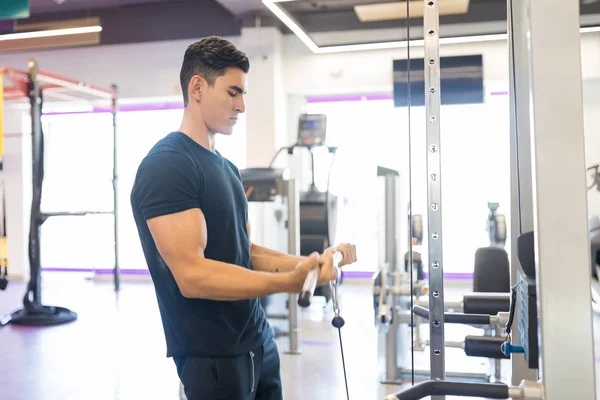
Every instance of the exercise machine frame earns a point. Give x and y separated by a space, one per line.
392 291
34 85
548 191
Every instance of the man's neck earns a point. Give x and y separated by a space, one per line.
195 128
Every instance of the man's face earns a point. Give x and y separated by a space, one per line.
222 103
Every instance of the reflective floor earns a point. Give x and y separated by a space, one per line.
115 350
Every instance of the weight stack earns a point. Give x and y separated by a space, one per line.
527 318
317 219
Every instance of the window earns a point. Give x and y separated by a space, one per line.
78 177
78 156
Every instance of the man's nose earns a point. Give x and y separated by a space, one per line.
240 105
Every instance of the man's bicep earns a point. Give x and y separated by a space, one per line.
180 239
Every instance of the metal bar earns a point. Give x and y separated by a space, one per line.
390 223
498 370
293 199
47 80
60 96
73 213
422 375
75 85
520 161
434 190
19 80
455 318
115 180
456 345
560 199
391 343
37 153
14 93
435 388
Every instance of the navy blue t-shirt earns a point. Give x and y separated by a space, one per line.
176 175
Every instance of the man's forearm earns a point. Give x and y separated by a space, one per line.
267 260
215 280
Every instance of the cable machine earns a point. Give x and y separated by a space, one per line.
549 227
35 85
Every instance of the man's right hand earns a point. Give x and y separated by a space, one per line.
298 275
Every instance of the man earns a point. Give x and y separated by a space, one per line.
191 213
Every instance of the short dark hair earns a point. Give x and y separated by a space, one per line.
209 58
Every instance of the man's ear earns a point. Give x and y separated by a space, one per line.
196 87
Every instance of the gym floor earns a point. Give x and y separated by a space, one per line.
115 350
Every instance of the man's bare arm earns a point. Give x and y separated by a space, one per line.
267 260
181 239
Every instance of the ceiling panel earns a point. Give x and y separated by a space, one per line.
136 21
243 7
53 6
317 17
172 19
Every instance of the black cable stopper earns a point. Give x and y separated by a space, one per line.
338 322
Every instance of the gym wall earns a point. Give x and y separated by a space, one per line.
283 71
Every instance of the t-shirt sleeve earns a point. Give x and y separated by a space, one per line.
167 183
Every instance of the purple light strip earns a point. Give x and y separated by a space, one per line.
366 97
99 271
357 274
448 275
454 276
345 274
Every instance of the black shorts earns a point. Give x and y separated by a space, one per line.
252 376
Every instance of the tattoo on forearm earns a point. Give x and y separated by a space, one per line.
276 270
272 253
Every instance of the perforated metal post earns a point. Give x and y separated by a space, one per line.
434 190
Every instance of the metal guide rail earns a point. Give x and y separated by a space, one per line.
434 188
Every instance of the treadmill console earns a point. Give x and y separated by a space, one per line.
312 130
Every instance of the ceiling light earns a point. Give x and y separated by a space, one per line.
291 24
50 33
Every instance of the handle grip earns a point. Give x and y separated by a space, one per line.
485 346
448 388
310 283
456 318
308 290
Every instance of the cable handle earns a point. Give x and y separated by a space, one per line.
310 283
337 259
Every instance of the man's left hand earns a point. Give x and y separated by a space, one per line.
327 272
